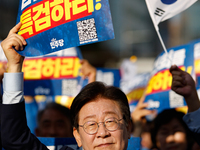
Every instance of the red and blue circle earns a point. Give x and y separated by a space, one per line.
168 2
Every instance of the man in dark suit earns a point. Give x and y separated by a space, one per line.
100 114
15 133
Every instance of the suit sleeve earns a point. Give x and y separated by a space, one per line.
15 133
193 122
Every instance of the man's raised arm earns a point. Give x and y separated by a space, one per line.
15 133
184 85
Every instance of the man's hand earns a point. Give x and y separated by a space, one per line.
88 70
138 116
182 82
184 85
9 45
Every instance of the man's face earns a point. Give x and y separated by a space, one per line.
172 136
99 110
54 124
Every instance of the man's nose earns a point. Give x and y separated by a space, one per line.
102 131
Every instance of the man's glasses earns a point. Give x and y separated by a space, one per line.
91 127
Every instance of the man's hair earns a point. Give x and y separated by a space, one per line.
52 105
95 90
165 117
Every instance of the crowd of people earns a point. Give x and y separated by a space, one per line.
99 117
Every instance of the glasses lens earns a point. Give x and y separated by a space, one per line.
90 127
111 124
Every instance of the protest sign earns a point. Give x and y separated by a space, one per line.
60 76
52 25
197 60
132 83
158 93
134 88
108 76
197 64
52 76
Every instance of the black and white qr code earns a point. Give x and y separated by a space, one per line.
87 30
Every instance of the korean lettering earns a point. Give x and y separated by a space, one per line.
42 22
48 68
27 23
47 14
56 43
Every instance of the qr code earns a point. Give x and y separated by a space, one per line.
69 87
87 30
175 100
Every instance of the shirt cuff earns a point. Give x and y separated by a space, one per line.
13 82
13 86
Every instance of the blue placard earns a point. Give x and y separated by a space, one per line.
69 87
108 76
197 61
158 93
52 25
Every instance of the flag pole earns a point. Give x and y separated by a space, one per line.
163 45
157 29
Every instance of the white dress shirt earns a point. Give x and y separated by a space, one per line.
13 86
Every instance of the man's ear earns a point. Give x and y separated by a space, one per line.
77 137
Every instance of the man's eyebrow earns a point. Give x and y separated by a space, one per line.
106 112
110 112
88 117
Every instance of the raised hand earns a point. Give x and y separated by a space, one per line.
88 71
183 84
138 116
10 44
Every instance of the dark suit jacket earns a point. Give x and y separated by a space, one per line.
15 133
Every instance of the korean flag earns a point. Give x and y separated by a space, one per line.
161 10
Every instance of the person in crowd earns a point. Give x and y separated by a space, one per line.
171 132
146 142
184 85
100 114
142 127
54 121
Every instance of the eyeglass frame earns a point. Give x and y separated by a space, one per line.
103 125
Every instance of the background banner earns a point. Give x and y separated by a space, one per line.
158 93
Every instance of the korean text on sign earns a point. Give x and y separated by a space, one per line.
51 68
47 14
162 81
